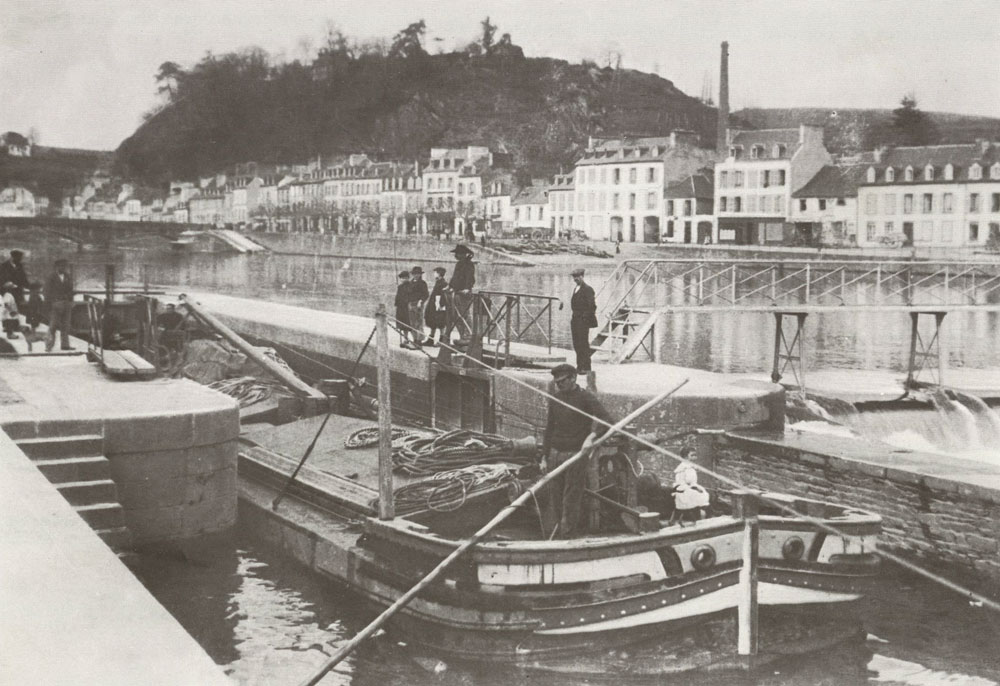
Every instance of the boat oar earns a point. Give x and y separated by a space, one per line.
376 623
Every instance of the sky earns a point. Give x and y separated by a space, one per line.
81 72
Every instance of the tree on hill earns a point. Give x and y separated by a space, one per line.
910 125
407 43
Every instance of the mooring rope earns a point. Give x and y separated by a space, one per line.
450 490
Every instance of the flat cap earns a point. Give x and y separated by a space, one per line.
404 274
562 370
577 272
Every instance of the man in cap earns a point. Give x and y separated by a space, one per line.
569 428
417 299
583 319
462 281
59 296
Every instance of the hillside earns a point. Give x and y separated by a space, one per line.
53 172
241 107
852 130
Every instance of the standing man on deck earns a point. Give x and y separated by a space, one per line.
567 431
59 296
584 318
462 281
417 299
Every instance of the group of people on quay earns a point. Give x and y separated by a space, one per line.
24 302
418 306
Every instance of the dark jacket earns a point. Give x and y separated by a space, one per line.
15 274
464 276
584 306
418 291
402 302
434 311
566 429
57 290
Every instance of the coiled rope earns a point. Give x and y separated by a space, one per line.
418 454
450 490
368 437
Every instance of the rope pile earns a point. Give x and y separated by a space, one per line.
449 491
247 389
367 437
418 454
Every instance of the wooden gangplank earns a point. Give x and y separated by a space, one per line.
122 364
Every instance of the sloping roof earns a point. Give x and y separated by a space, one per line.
833 181
563 182
532 195
767 139
961 157
698 185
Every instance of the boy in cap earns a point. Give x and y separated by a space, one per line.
584 318
436 314
568 429
402 303
417 299
462 281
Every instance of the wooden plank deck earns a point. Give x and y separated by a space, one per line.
123 364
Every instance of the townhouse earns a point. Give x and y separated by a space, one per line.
530 211
689 203
562 204
498 191
400 198
619 184
17 201
824 212
939 195
453 182
755 183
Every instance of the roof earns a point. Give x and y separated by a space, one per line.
563 182
960 156
698 185
833 181
767 139
532 195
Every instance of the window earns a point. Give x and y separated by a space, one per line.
949 172
737 204
947 203
929 172
738 179
670 208
722 204
946 230
871 204
779 177
908 174
780 150
616 176
755 151
687 208
871 174
604 175
888 200
461 188
651 175
995 171
870 232
723 179
995 202
890 174
908 203
632 174
767 179
975 172
752 203
631 201
779 203
889 228
973 232
651 200
927 206
974 202
802 205
614 201
765 203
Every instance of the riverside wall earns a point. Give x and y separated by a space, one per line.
941 513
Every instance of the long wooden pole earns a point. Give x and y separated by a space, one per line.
745 508
386 507
529 494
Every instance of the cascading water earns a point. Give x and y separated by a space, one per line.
940 420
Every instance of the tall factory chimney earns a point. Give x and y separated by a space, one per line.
721 145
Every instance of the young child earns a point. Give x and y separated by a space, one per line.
690 498
435 312
8 312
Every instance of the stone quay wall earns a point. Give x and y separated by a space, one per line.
933 521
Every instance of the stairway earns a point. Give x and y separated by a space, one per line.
620 325
77 467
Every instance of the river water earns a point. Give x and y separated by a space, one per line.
266 620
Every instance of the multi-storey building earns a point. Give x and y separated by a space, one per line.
400 200
824 212
530 211
688 209
754 184
562 203
619 184
498 191
939 195
453 182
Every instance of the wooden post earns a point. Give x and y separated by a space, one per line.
386 508
745 507
109 283
705 447
911 370
778 336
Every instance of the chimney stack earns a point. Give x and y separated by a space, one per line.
721 144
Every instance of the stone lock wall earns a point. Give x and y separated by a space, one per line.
930 519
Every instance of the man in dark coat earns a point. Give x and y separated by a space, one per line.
567 431
462 281
402 303
584 318
15 280
417 299
59 296
436 314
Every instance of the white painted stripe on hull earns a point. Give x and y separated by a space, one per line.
778 594
722 599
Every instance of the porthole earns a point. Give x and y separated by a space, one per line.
703 557
793 549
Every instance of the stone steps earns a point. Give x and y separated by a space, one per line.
102 516
83 445
65 469
89 492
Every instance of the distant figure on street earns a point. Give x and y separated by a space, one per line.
567 431
402 303
618 247
59 296
436 312
584 318
462 281
417 299
621 238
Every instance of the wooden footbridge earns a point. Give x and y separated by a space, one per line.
640 295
